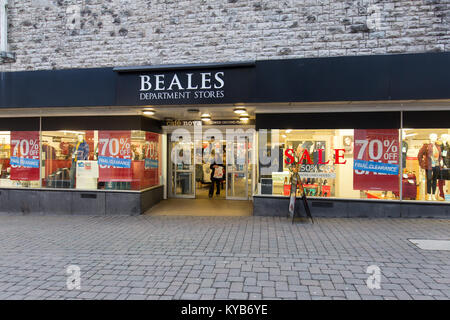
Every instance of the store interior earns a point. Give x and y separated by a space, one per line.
212 154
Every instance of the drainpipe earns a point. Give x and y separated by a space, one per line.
5 55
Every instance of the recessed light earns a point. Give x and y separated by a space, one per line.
240 110
244 118
288 130
206 117
148 112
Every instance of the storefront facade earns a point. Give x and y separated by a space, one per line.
369 134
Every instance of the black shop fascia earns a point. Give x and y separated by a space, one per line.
172 85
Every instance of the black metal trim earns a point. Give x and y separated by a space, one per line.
426 119
101 123
244 64
329 120
19 124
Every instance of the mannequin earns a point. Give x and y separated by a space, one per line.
445 164
429 159
81 152
445 138
440 195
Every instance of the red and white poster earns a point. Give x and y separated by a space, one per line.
376 160
114 156
151 164
25 155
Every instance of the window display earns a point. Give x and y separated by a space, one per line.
110 160
426 172
91 159
361 164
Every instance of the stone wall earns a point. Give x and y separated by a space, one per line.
59 34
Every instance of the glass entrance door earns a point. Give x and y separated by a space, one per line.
182 175
237 170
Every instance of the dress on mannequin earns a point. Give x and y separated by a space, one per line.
445 169
429 157
441 182
81 152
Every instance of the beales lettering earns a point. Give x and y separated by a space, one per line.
203 85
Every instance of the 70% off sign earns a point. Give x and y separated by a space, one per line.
118 148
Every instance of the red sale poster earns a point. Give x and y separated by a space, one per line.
151 162
25 155
376 160
114 156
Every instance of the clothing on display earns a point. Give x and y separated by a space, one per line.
49 151
446 154
81 152
429 155
404 153
429 158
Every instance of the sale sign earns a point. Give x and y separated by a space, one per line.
151 162
114 156
151 150
24 155
376 160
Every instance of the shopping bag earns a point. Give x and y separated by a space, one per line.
218 173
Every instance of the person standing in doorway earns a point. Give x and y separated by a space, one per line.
217 174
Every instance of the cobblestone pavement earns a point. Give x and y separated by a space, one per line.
149 257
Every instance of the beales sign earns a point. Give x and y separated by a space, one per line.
205 85
209 86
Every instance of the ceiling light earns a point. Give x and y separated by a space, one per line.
206 117
71 132
288 130
148 112
284 136
240 110
410 135
244 118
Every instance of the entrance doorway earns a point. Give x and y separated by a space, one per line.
211 164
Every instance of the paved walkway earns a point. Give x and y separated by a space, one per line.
202 207
156 257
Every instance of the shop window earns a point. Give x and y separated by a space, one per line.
426 164
100 159
358 164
